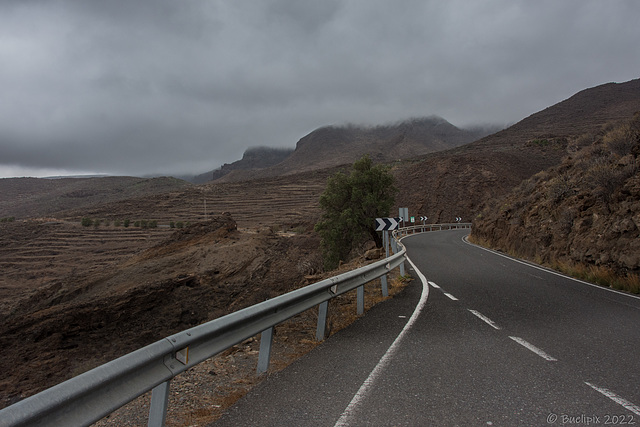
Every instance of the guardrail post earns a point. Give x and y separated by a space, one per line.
266 339
323 311
384 285
361 299
159 402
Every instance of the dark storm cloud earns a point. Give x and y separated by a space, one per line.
173 87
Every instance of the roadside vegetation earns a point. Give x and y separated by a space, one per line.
350 204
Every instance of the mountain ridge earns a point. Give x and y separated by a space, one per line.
331 146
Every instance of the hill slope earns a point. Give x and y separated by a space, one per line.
459 182
585 211
36 197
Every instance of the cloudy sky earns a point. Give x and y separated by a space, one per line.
183 86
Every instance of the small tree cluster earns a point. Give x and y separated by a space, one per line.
350 205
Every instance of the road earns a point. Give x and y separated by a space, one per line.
490 341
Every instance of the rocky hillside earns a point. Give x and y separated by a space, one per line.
460 181
332 146
584 212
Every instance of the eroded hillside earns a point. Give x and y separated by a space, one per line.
582 215
86 317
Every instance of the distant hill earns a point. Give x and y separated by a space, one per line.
461 181
332 146
35 197
253 158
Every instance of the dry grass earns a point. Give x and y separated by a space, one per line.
600 275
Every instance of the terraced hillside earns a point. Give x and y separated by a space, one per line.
37 252
284 201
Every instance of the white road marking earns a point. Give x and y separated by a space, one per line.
451 297
619 400
533 348
350 411
434 285
485 319
546 270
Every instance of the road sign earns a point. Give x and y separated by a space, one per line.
423 218
413 219
404 214
387 223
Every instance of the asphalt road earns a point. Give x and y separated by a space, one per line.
490 341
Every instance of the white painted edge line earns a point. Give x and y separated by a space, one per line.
484 319
451 297
546 270
619 400
350 410
434 285
533 348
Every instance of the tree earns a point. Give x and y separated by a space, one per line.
350 205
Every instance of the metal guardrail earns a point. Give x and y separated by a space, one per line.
432 227
87 398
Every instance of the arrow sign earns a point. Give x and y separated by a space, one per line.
423 218
387 223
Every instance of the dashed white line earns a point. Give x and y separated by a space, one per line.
619 400
350 411
533 348
485 319
451 297
434 285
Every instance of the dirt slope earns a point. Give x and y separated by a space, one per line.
79 321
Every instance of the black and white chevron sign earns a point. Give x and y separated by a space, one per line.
387 223
423 218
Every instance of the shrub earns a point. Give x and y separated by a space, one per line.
86 222
350 205
126 223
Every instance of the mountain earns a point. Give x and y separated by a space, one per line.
253 158
463 180
332 146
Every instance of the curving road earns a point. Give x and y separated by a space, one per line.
490 341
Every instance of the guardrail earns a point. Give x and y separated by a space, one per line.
432 227
87 398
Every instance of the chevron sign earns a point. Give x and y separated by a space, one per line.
423 218
387 223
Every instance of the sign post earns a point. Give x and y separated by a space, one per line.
384 225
